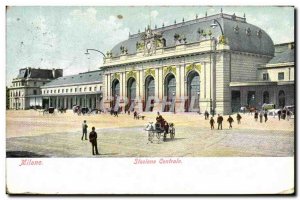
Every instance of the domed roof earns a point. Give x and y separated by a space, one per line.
239 35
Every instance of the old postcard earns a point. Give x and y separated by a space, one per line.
150 100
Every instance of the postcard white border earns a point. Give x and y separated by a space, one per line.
121 176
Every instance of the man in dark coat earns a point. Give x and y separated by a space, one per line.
230 120
212 122
256 116
219 121
266 116
238 118
206 115
93 140
166 130
135 115
288 115
279 114
84 130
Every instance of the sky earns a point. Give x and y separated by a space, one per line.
57 37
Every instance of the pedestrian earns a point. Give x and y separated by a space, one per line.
166 127
84 130
230 120
260 116
135 115
219 121
256 116
206 115
279 114
93 140
288 115
266 116
212 122
283 113
238 118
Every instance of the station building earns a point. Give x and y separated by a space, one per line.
25 91
83 89
215 63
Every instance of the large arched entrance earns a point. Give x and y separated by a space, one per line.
170 90
115 91
193 91
149 92
281 99
131 93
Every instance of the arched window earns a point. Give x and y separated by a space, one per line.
266 97
149 91
115 91
170 86
170 91
131 92
131 89
115 88
193 90
163 40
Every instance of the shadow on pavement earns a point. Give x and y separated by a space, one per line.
23 154
170 140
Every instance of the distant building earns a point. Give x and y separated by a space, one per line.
274 83
25 91
83 89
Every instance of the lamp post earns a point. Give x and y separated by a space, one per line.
215 24
87 52
198 93
173 93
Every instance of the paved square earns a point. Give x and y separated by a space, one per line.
31 134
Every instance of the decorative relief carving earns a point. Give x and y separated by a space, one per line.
115 76
150 72
196 67
169 69
130 74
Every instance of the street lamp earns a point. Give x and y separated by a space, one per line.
198 93
87 52
215 24
173 93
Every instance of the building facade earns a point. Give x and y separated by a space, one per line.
274 84
25 91
186 67
83 89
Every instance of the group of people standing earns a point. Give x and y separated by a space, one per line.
92 137
284 114
220 121
261 114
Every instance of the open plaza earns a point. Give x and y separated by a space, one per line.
29 133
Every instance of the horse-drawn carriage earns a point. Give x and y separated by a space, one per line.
157 131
